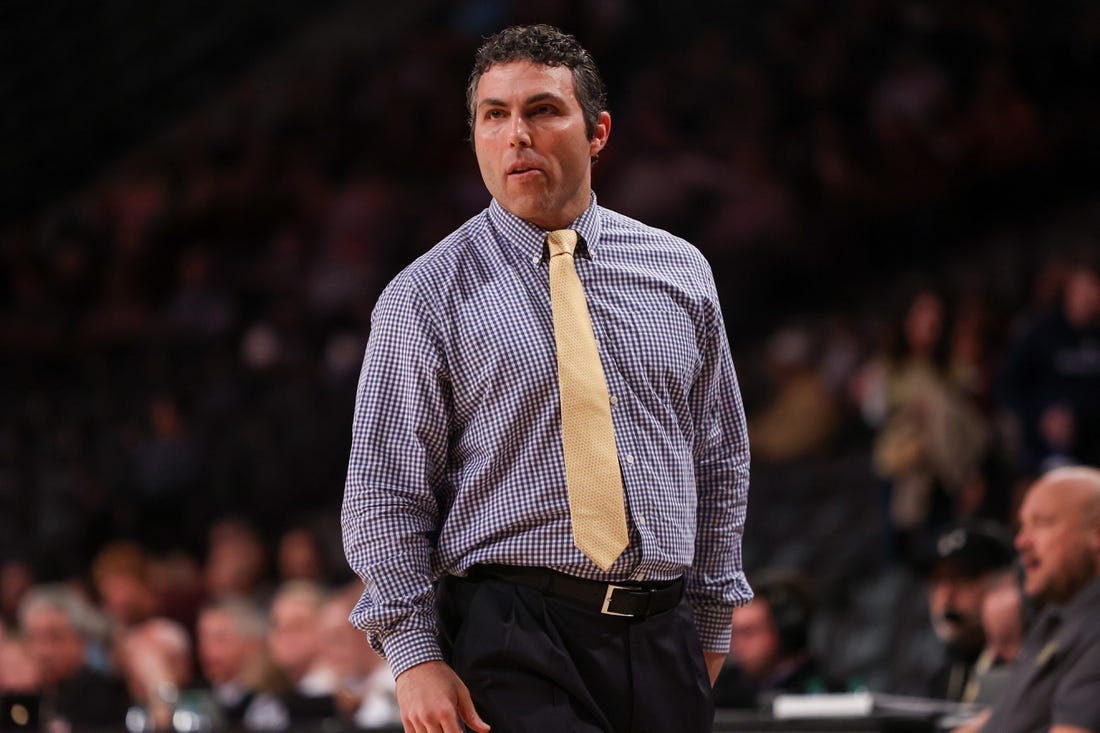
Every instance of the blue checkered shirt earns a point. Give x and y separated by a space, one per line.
456 454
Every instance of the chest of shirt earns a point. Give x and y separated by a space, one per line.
499 342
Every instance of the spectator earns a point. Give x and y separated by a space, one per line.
301 556
236 561
929 440
120 579
1054 681
18 674
359 679
16 578
58 626
1051 377
156 659
1004 622
769 647
963 563
803 415
294 641
233 660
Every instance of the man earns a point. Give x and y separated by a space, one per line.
294 641
230 635
588 559
1004 622
965 560
1050 382
58 625
156 659
1056 677
769 645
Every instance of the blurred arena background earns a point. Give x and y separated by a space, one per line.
201 201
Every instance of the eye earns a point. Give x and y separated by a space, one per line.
494 114
544 109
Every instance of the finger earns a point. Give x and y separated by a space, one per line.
468 713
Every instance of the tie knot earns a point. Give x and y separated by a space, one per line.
561 241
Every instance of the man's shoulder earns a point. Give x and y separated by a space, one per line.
618 227
439 264
446 254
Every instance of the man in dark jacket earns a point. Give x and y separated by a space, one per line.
58 625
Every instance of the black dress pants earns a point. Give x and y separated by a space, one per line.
540 664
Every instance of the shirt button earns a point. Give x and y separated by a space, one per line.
641 520
630 458
614 400
535 260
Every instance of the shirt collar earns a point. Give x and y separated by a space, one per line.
531 240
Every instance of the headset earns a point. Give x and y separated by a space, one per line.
791 609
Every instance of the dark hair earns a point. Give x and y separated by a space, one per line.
790 605
546 45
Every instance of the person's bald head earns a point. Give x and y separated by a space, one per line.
1059 537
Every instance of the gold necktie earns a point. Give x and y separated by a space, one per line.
592 474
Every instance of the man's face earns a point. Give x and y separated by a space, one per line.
754 642
1003 623
1057 546
294 638
223 650
955 604
531 144
53 644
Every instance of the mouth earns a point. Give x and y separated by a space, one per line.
521 170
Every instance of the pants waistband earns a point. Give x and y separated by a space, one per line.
627 599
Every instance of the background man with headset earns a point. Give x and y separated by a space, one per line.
769 645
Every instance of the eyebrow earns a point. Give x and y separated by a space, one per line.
541 97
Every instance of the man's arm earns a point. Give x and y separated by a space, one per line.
390 512
716 582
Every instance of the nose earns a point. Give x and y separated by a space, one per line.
1022 539
520 136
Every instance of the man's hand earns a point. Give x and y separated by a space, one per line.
432 698
715 660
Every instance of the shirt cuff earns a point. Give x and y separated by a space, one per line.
713 624
410 648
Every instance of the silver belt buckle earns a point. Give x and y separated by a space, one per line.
607 601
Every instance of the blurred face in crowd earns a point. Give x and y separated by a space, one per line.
924 323
53 644
754 642
955 603
157 652
299 557
223 651
125 598
344 649
1059 537
531 144
1082 297
1003 623
294 639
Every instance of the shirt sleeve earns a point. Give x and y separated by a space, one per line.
1075 700
390 514
716 582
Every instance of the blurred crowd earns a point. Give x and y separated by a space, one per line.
229 644
892 196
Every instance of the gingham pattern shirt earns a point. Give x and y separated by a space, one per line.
456 454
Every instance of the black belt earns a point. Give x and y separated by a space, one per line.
631 600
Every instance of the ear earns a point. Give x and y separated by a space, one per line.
601 131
